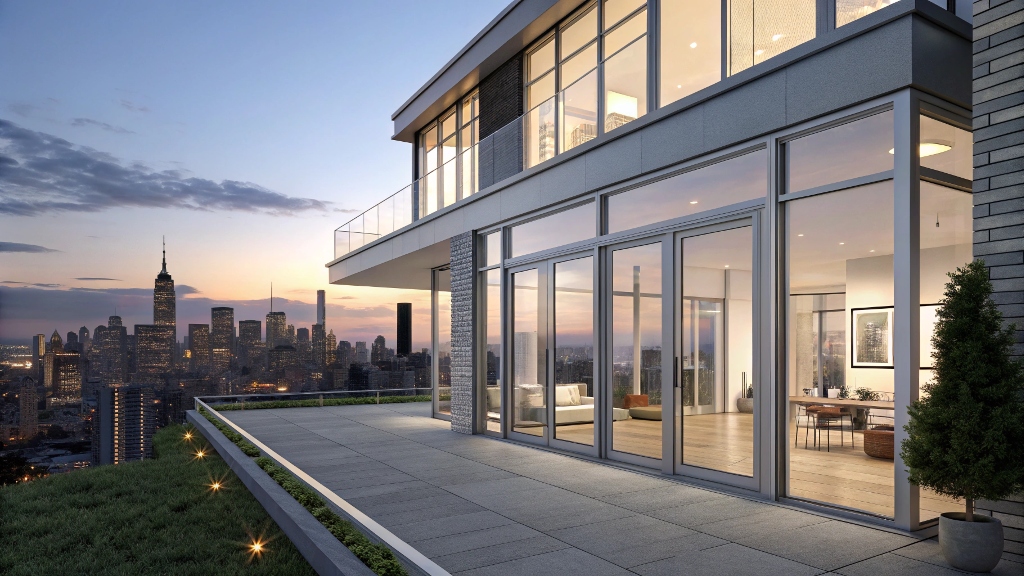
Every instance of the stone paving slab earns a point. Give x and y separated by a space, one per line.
480 506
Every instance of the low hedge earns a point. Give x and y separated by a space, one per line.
313 403
377 557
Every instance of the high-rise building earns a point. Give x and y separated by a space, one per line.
319 345
362 356
72 343
113 367
345 355
378 350
62 374
83 338
164 308
302 346
332 347
152 354
250 344
404 346
222 320
199 347
289 334
28 405
321 307
123 425
276 330
281 358
38 352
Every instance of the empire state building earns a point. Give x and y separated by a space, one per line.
164 304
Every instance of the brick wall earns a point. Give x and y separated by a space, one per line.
999 187
462 270
501 102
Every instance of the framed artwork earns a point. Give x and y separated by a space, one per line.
928 320
872 337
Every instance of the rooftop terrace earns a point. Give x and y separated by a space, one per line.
477 505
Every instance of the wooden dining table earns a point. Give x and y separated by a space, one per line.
813 400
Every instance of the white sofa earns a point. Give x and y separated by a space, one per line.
572 405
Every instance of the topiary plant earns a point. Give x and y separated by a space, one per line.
965 434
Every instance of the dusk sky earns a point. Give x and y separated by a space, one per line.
243 132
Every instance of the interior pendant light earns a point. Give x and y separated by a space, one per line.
931 147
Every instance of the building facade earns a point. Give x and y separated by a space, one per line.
153 357
28 409
165 309
123 425
657 232
222 338
199 347
250 344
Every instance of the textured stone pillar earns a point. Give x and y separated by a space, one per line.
463 274
999 189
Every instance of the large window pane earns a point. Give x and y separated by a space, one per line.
946 244
540 133
492 249
849 10
559 229
540 61
615 10
579 112
449 177
540 91
691 47
625 83
443 343
839 249
577 34
626 33
529 378
722 184
492 347
761 29
716 364
848 151
574 351
636 350
578 65
947 148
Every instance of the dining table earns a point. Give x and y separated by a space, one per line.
850 402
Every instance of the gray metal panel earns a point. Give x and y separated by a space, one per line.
672 140
425 233
750 110
613 162
450 224
520 198
482 212
856 70
953 78
565 181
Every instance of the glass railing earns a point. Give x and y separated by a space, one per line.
560 123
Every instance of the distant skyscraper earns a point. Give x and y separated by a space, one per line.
281 358
39 346
72 343
221 338
332 347
276 330
321 307
289 334
152 354
345 354
199 347
404 346
250 344
28 404
62 374
378 350
319 346
303 347
362 355
302 334
114 354
123 425
83 338
164 307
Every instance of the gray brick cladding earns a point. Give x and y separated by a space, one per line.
501 102
999 187
462 270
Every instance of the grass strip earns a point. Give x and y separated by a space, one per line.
312 403
377 557
157 516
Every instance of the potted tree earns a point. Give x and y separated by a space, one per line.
965 434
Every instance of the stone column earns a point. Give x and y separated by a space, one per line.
463 272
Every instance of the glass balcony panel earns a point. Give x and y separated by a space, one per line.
466 141
540 133
626 33
579 112
574 68
386 216
449 181
341 242
577 34
615 10
541 60
403 207
468 169
625 85
430 192
356 232
691 47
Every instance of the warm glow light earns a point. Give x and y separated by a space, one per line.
622 104
842 243
693 44
693 201
188 435
931 148
726 265
215 486
872 250
200 454
679 85
282 388
778 37
759 52
800 235
256 547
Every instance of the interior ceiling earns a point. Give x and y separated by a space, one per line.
411 271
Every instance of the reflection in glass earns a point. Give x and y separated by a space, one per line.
558 229
492 249
574 351
735 180
761 29
577 34
443 343
946 244
691 47
579 112
946 148
540 133
491 280
849 10
636 350
716 360
851 150
840 253
541 60
449 179
529 378
626 33
625 85
578 65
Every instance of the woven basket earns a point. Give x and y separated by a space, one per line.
878 442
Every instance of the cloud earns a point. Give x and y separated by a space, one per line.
129 105
344 298
82 122
44 174
22 109
36 284
16 247
98 279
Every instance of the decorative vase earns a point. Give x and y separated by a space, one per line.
745 405
972 546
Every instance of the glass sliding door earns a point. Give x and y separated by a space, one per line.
573 351
441 355
716 357
529 354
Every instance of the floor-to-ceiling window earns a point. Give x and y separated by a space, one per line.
441 348
690 46
447 157
490 350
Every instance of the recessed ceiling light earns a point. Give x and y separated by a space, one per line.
679 85
726 265
693 44
872 250
759 52
842 243
693 201
778 37
931 147
800 235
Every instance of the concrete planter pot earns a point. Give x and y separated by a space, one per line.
745 405
972 546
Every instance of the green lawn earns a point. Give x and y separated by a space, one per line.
153 517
